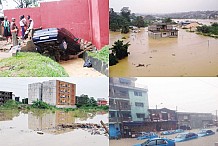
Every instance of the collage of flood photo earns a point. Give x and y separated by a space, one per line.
108 73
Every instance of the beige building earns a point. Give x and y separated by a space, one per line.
54 92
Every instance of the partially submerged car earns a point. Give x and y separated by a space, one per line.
58 43
169 132
205 132
179 130
147 135
185 136
157 142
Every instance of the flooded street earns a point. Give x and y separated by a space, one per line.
75 68
201 141
188 55
20 128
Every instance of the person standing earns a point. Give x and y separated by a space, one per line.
7 31
14 31
22 25
30 27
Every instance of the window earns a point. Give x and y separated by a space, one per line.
153 142
124 81
140 115
139 104
137 93
164 33
161 141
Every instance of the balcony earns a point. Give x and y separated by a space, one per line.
119 119
122 108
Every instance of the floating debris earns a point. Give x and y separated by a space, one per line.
140 65
40 132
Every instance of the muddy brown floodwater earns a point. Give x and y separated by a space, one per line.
201 141
75 68
188 55
20 129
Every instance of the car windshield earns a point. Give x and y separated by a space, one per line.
202 131
145 143
181 136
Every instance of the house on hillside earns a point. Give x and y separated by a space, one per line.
162 30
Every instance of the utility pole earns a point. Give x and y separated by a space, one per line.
216 115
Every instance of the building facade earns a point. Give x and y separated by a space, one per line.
194 120
102 101
34 92
5 96
54 92
127 102
162 30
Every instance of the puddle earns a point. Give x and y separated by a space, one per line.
41 128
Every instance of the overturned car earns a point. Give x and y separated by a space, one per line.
57 43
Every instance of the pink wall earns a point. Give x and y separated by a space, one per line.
87 19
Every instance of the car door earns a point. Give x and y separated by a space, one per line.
152 143
162 142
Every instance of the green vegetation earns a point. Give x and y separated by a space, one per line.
85 101
102 55
10 104
41 105
211 31
30 65
89 105
119 51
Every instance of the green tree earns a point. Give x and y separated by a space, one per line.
82 100
167 20
92 102
139 22
120 50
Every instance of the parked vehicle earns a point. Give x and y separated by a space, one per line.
185 136
205 132
157 142
185 127
56 43
179 130
167 132
147 136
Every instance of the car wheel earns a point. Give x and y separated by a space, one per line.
39 49
63 45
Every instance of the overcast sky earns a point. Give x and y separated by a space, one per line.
188 94
94 87
164 6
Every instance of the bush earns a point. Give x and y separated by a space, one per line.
11 104
41 105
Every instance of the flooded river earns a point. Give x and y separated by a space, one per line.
201 141
188 55
20 129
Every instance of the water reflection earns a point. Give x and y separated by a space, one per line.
7 115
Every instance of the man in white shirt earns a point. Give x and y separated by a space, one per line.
30 27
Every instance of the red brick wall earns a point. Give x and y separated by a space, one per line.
87 19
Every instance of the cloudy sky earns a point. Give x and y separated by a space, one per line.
164 6
94 87
188 94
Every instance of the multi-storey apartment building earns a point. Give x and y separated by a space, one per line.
5 96
128 102
54 92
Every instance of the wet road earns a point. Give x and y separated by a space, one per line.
20 129
201 141
188 55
